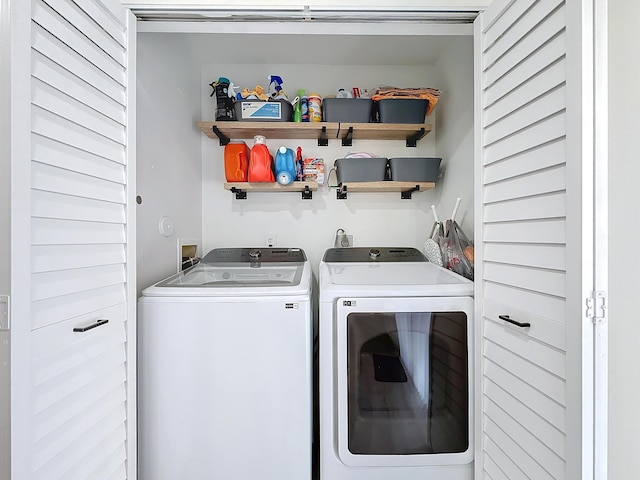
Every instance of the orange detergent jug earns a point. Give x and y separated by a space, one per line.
236 161
260 161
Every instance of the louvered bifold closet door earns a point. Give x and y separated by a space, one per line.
78 239
523 200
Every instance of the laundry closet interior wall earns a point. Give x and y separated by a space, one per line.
181 171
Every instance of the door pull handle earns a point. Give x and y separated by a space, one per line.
506 318
85 328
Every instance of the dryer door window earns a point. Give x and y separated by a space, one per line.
407 383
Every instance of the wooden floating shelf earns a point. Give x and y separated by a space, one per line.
272 186
383 131
241 188
405 188
242 130
386 186
225 131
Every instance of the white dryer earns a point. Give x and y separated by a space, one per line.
396 370
225 369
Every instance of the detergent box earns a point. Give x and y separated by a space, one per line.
313 170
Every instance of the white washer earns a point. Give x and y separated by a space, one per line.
396 367
225 369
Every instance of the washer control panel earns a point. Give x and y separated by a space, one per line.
373 255
252 255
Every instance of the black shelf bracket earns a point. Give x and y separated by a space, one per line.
347 141
223 138
323 141
341 193
406 195
240 194
306 193
412 141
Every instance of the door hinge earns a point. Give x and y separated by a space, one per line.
596 307
4 312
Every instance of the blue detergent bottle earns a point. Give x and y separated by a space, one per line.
285 166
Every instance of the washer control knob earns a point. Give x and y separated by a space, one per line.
255 253
374 253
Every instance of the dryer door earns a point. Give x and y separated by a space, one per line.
405 381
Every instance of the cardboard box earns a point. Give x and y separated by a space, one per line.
313 170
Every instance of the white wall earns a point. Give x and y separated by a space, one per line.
454 138
624 231
373 219
169 159
181 174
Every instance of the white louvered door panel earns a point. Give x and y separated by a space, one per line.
523 220
78 398
79 239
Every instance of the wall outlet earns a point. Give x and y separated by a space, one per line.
271 239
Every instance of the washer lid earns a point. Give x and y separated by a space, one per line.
255 274
389 279
392 274
237 272
243 267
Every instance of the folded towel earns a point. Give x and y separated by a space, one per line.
431 94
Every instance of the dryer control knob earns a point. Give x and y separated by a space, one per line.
255 253
374 253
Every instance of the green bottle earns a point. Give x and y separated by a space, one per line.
297 109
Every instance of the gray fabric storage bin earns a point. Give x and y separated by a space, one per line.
351 110
414 169
360 169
